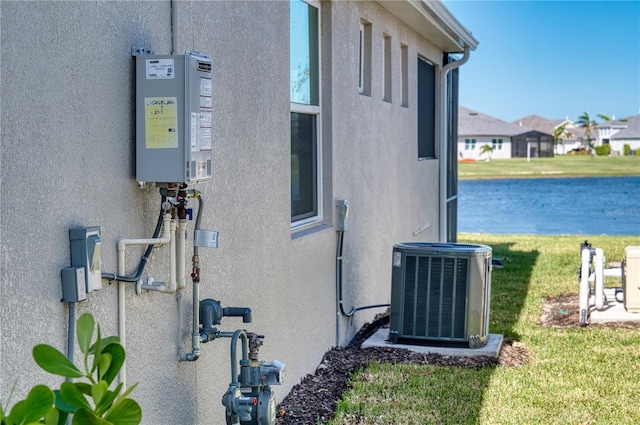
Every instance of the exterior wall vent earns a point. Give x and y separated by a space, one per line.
440 294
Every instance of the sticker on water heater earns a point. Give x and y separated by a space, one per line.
194 131
161 122
205 102
205 87
160 69
205 139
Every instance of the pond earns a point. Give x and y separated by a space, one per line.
550 206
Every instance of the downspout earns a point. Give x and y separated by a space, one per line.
443 140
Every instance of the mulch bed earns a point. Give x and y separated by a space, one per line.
313 400
563 312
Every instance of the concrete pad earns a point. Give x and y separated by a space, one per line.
613 311
492 349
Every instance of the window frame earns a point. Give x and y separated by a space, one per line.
315 110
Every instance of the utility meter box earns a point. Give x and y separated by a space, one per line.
631 278
173 118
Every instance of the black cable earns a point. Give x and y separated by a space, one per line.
145 256
339 279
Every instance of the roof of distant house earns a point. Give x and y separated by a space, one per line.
473 123
539 123
632 131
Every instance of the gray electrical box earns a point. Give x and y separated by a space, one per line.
173 118
85 253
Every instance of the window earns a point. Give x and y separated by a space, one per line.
305 112
404 63
496 144
426 110
364 69
469 144
386 68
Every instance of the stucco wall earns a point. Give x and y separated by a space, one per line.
67 160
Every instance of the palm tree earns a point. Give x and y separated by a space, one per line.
560 134
588 125
488 149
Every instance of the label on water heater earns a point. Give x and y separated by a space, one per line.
158 69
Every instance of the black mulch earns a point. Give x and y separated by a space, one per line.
313 400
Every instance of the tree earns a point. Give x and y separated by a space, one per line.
588 125
560 134
488 149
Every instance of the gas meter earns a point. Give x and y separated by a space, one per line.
173 118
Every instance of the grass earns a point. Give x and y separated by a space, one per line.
574 375
559 166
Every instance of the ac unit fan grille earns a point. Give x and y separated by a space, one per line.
435 297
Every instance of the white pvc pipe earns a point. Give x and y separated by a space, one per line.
122 246
584 285
172 259
181 254
599 277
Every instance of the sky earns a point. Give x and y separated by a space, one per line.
554 59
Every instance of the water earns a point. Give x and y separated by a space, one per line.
551 206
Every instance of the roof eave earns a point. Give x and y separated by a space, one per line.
432 20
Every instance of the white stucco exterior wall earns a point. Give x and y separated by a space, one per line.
67 150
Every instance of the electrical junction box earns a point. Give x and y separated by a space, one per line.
73 284
173 118
85 253
631 279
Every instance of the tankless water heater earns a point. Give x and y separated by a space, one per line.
173 118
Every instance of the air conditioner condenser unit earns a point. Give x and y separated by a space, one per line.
440 294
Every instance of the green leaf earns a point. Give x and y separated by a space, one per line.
53 361
105 403
103 364
84 331
34 407
83 387
125 412
104 342
98 390
52 417
117 360
61 405
128 391
70 394
97 353
87 417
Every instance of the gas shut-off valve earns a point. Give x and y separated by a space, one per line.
250 399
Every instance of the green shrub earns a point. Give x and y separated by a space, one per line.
604 150
89 402
627 149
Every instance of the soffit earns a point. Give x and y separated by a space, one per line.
433 21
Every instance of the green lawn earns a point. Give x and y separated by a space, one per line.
559 166
574 375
